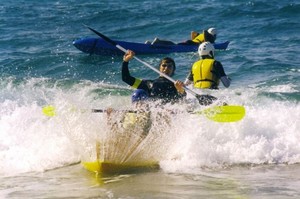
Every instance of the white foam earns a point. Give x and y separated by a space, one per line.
30 141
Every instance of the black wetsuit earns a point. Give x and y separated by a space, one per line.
158 89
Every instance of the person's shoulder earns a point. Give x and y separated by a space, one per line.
218 63
147 81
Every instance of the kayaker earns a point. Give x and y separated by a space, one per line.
157 89
209 35
207 72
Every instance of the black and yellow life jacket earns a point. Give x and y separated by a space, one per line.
203 74
204 36
199 38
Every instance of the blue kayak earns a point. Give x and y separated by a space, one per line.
99 46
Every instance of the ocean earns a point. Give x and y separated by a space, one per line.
257 157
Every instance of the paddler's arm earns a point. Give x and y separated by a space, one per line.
219 70
226 81
126 77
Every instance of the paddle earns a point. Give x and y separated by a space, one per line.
217 113
228 113
203 99
50 111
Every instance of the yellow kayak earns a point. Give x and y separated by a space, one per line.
109 168
126 149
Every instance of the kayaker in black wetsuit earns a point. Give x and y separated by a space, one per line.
160 88
209 35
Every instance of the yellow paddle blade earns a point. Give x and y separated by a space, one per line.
49 111
229 113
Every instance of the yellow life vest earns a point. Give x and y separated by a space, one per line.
202 74
199 39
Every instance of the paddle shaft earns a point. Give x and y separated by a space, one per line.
217 113
138 59
104 110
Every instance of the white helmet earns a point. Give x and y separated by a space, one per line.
206 48
212 31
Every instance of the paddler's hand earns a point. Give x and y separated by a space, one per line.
128 56
179 85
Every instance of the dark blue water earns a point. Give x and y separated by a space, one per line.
40 66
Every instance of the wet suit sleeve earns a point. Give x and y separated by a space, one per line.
218 69
132 81
220 73
127 78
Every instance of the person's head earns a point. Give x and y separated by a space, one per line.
139 95
212 31
167 66
206 49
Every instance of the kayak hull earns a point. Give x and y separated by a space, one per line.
110 168
127 148
99 46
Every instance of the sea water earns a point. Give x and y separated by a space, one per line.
257 157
